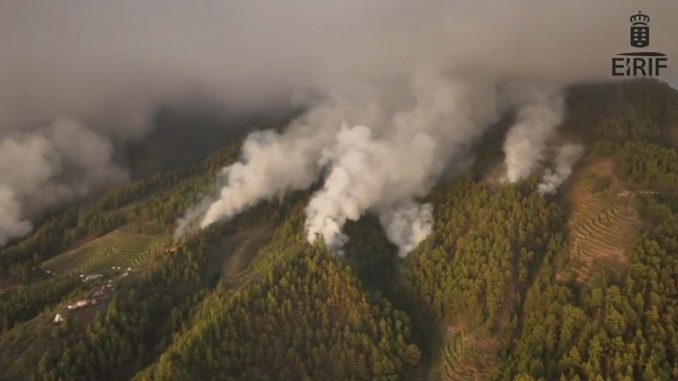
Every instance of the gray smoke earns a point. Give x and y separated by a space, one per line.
526 140
272 163
566 157
407 225
11 222
42 169
385 168
382 166
387 159
108 65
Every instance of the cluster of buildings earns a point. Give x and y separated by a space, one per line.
82 303
97 296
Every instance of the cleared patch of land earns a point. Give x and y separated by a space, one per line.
129 245
468 356
602 225
244 246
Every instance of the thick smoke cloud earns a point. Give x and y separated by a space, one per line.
526 140
273 163
382 166
385 168
11 222
108 65
407 225
41 169
565 159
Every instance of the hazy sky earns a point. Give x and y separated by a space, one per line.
110 61
77 76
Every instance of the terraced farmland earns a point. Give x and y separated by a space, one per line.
126 246
467 358
602 225
245 245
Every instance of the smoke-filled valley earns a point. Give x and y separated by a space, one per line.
371 153
385 190
112 71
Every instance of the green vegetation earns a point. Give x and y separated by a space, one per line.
649 167
136 324
622 330
631 111
121 247
483 252
600 184
138 202
306 320
28 301
510 285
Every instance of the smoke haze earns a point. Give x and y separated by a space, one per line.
44 168
385 167
526 140
356 67
565 159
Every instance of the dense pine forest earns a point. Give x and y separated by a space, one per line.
500 290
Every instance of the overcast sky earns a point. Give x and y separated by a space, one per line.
77 77
110 61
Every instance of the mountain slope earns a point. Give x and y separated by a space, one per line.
510 285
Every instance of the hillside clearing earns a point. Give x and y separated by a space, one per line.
126 246
602 225
468 356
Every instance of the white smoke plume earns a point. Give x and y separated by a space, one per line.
109 64
567 156
191 218
383 166
365 172
526 140
44 168
407 225
11 223
273 163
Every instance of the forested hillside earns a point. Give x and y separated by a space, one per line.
510 285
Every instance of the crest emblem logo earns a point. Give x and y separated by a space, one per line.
640 31
639 63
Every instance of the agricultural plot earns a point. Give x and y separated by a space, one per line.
466 357
602 225
126 246
244 245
